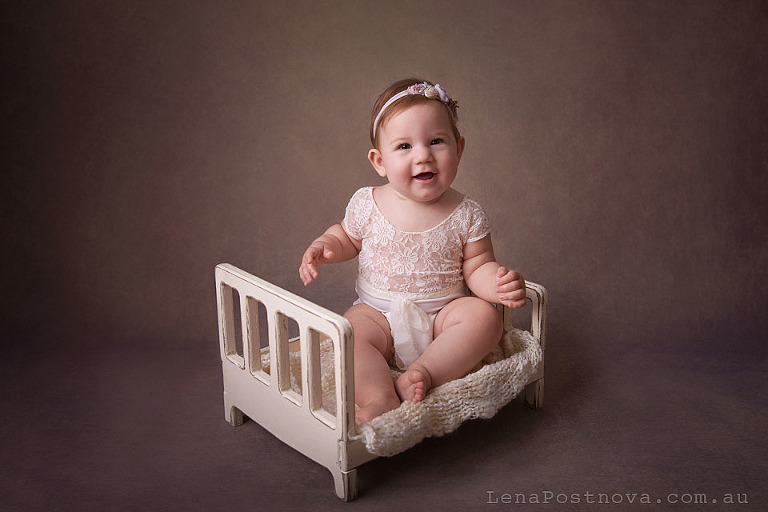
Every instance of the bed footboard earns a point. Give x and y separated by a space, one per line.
255 323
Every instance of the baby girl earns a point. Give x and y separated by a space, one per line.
420 245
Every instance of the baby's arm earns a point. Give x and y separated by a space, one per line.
334 246
489 280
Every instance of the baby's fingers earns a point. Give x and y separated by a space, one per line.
510 287
514 304
514 298
504 276
307 273
313 258
305 277
316 256
307 270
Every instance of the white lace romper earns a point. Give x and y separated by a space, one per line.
411 276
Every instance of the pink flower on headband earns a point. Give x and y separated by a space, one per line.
429 91
434 92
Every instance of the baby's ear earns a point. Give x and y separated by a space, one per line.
374 156
460 146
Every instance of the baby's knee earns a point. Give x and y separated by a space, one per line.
488 317
369 327
482 321
482 315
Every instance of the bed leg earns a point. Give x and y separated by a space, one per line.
234 416
346 484
534 394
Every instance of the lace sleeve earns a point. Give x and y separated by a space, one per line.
479 224
357 214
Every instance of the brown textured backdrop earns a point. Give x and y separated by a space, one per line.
619 148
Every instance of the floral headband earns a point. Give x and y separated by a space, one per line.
429 91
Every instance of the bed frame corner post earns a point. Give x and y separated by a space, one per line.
233 415
534 391
534 394
346 484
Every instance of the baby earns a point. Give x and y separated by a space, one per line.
420 245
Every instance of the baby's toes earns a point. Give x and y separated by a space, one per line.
418 392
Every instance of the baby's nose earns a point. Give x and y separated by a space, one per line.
423 153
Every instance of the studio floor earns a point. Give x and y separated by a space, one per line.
123 429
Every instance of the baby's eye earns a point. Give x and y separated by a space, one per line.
404 145
436 141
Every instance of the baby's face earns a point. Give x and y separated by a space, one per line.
418 152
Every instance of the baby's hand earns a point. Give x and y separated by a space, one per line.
510 287
313 257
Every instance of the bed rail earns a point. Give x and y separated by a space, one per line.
265 394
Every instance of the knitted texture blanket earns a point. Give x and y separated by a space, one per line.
480 394
491 385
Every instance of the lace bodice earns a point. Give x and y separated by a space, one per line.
412 262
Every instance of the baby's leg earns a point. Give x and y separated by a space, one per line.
466 330
374 391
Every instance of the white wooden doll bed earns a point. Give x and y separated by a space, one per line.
291 402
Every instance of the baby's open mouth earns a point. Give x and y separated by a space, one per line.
424 176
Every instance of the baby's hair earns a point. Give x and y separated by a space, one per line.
402 104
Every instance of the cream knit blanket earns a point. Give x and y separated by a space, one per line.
491 385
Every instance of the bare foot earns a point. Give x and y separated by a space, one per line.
375 408
413 384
